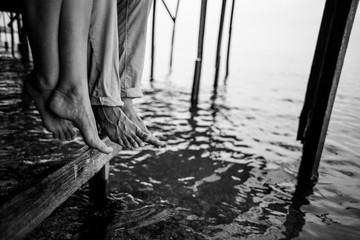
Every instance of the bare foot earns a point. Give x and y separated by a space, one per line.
120 129
76 108
60 128
130 112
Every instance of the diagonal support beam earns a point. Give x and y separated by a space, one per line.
336 25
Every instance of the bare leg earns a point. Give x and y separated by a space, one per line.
41 18
70 100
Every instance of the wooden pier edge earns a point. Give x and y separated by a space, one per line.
25 210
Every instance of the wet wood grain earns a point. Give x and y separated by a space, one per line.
22 211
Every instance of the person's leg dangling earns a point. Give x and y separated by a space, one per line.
71 99
41 22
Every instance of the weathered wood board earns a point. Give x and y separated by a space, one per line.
29 205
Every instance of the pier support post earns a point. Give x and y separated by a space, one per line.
198 62
173 34
153 43
218 50
337 21
99 186
229 39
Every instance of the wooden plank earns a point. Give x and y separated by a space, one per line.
99 188
334 36
20 213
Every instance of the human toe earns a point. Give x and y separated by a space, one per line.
149 138
62 135
71 132
138 140
97 143
69 128
56 134
120 142
132 142
126 143
68 135
102 147
155 141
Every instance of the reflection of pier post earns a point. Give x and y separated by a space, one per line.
5 32
337 21
229 40
198 62
218 50
12 34
295 218
153 43
23 44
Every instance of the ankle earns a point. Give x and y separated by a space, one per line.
76 83
43 83
128 102
71 90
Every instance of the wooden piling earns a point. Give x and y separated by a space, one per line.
173 34
153 43
198 61
337 21
99 186
229 39
218 50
